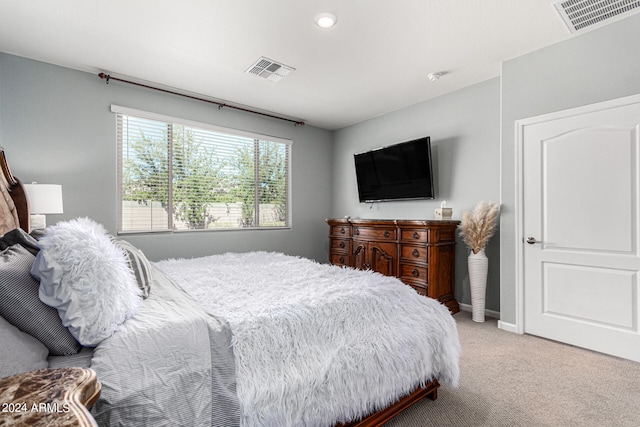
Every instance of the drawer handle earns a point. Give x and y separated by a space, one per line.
342 231
416 235
415 253
356 231
341 260
415 272
386 233
342 245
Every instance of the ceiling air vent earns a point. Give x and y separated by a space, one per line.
270 70
579 15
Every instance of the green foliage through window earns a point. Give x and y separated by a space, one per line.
175 176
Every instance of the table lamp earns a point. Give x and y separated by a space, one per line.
44 199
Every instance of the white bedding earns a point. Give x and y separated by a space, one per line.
315 344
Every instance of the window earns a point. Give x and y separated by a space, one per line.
175 175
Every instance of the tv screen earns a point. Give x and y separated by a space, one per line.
397 172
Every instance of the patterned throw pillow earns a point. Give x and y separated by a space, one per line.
20 305
138 263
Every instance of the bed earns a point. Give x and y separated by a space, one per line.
253 339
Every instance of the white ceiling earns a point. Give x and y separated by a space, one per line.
375 60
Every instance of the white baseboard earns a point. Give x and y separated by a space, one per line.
488 313
509 327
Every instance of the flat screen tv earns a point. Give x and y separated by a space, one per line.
396 172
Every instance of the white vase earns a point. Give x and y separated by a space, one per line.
478 265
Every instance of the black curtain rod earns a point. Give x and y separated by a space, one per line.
219 104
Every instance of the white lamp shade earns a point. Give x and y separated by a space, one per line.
44 198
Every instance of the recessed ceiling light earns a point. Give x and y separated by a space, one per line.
325 20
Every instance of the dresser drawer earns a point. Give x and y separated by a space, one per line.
370 233
340 259
413 274
413 253
341 245
339 230
408 235
443 236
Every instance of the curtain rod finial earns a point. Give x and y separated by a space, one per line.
104 76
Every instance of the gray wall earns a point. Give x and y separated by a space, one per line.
465 137
56 127
596 66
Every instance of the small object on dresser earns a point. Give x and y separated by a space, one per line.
443 212
49 397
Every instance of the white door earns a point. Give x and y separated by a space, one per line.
581 217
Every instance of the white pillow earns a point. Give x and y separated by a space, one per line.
86 278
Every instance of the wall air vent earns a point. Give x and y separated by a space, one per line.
270 70
580 15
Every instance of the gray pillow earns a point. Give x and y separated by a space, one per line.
138 263
21 306
19 352
19 236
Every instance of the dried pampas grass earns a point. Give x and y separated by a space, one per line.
479 225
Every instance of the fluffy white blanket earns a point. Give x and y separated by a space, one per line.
314 343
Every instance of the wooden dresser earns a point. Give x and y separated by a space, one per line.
421 253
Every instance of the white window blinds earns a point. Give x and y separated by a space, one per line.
178 175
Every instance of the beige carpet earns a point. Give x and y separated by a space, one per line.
520 380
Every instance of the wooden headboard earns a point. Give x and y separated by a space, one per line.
14 205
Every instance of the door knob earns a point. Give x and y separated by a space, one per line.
532 240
